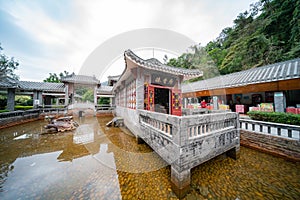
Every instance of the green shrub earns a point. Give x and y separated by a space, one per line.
23 107
276 117
2 111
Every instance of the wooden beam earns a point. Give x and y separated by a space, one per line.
293 84
259 87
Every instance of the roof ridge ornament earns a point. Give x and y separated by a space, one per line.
149 64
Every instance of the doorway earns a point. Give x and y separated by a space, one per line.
162 100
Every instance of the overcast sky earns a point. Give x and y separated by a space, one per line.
55 35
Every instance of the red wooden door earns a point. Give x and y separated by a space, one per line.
176 102
150 98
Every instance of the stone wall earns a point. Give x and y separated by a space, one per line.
12 121
207 147
131 118
284 147
181 148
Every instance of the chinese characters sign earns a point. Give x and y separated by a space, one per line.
163 80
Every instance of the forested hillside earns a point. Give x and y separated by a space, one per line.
268 32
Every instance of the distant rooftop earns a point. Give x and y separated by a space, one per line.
7 82
112 80
113 77
41 86
103 89
279 71
82 79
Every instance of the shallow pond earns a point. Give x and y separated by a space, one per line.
97 162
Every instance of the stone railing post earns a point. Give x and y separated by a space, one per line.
11 99
180 174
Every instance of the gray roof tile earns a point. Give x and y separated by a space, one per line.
41 86
103 89
7 82
83 79
279 71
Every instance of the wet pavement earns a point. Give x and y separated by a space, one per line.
97 162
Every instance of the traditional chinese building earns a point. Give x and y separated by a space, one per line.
73 82
149 98
43 93
151 85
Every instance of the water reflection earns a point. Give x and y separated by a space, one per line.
84 134
24 136
106 157
96 162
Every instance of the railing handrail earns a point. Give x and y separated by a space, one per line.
104 107
192 125
52 106
275 129
11 114
163 126
227 114
29 111
108 105
277 125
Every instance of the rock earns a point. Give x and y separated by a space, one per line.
203 191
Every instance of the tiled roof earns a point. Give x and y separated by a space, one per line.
103 89
279 71
114 77
154 64
83 79
41 86
7 82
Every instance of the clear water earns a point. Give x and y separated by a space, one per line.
97 162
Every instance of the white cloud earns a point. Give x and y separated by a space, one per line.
69 42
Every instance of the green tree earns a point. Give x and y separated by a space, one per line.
81 90
7 66
88 96
269 32
103 101
198 58
295 33
54 78
23 100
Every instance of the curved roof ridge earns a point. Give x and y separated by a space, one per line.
80 79
150 64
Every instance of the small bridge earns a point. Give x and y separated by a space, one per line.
185 141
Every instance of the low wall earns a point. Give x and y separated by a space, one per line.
280 146
131 119
8 122
274 138
270 128
13 118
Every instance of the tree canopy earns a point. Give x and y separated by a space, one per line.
7 66
268 33
54 78
197 58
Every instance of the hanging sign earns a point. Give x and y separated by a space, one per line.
163 80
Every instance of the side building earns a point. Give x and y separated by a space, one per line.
277 85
